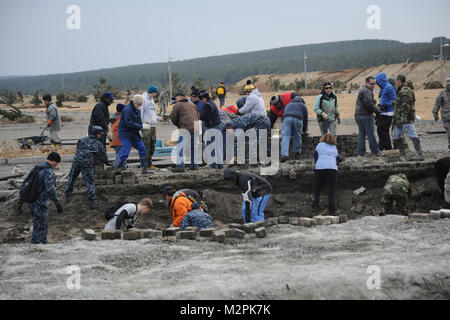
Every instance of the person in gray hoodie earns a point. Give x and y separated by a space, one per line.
365 109
254 102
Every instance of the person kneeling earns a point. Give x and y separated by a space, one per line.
197 218
125 217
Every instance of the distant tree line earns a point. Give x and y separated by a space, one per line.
209 72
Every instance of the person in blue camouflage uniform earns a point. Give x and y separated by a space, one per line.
90 151
46 188
197 218
396 194
256 121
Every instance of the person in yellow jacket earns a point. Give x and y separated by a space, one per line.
221 94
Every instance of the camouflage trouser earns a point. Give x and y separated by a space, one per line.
149 139
88 177
447 128
40 223
398 202
197 218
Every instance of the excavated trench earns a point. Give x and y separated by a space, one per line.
292 195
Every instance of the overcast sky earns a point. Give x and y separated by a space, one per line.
36 40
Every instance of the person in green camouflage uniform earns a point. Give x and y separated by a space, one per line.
163 101
443 101
404 117
396 194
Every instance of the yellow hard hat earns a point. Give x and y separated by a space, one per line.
249 88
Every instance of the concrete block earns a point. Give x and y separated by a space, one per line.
109 182
131 180
343 218
195 229
171 239
260 224
334 219
133 235
171 232
420 217
308 222
149 233
294 221
236 226
189 235
89 235
283 220
272 222
236 233
445 214
435 215
128 174
322 220
227 232
219 236
207 233
111 235
261 232
249 228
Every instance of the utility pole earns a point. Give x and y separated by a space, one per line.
441 57
304 68
170 76
62 82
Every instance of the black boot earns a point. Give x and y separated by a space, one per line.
398 144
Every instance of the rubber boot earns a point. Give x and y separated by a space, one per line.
398 144
418 148
144 166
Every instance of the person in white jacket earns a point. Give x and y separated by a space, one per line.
125 217
149 120
254 102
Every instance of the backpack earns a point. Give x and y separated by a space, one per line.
30 190
197 204
109 213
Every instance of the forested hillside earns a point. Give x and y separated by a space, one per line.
232 68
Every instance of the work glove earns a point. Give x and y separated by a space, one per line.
325 116
338 120
59 208
49 123
436 117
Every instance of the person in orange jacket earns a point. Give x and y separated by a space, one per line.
116 144
277 105
178 203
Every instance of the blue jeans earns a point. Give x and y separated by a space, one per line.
407 129
366 128
180 152
138 145
291 127
217 161
118 153
257 211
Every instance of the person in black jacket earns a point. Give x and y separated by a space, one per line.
256 193
442 168
211 118
100 115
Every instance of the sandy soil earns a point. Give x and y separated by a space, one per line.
326 262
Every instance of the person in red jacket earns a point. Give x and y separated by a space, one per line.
277 105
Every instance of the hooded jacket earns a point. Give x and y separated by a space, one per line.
180 206
259 187
130 123
148 111
100 116
297 109
254 104
115 129
387 94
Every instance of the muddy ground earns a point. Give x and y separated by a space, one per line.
291 263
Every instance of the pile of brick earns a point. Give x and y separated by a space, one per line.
234 230
346 144
111 176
